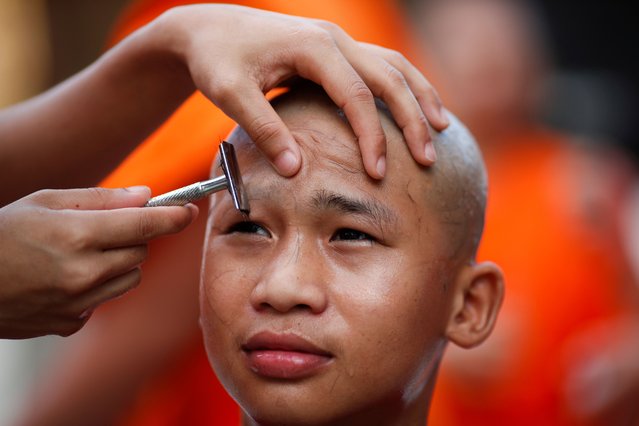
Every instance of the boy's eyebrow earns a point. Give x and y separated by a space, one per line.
370 208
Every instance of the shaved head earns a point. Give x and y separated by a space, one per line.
333 301
454 187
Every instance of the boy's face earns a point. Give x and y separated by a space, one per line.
332 299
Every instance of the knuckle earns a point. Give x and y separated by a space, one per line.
424 92
397 58
77 278
75 238
146 226
319 34
98 195
47 198
415 129
394 76
135 256
421 122
226 87
328 26
42 195
359 92
263 130
420 126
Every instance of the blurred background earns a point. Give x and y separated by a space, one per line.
590 90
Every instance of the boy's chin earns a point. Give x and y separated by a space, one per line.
318 408
299 407
290 415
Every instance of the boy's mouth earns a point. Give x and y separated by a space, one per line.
284 356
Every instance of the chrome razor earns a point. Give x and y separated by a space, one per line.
231 180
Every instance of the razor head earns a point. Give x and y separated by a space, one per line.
231 170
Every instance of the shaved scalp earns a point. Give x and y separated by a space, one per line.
456 183
460 187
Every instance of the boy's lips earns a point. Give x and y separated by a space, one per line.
284 356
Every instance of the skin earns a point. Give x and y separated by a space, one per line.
378 274
53 277
90 122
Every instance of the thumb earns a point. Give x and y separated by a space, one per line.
93 198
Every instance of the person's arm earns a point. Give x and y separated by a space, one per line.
65 252
77 132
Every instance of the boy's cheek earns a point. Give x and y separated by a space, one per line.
223 287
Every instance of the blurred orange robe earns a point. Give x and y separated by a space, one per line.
564 271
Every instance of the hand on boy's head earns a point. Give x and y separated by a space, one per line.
340 291
259 54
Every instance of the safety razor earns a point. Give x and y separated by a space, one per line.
231 180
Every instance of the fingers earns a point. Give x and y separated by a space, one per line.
115 287
411 99
261 54
413 102
93 198
132 226
424 92
391 86
350 93
394 80
256 116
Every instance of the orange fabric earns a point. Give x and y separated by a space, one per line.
181 152
563 273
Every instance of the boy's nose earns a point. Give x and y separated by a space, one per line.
294 280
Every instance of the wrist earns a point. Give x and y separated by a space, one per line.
161 47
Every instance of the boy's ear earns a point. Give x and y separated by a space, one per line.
479 290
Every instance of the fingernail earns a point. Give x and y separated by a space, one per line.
429 152
286 163
381 166
140 189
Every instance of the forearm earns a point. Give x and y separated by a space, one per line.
75 133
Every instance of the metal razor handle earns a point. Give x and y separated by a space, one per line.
187 194
231 180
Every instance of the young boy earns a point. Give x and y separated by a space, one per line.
333 301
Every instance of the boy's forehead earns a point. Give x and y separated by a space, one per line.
328 144
331 158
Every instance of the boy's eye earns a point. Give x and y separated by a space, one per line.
246 227
347 234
